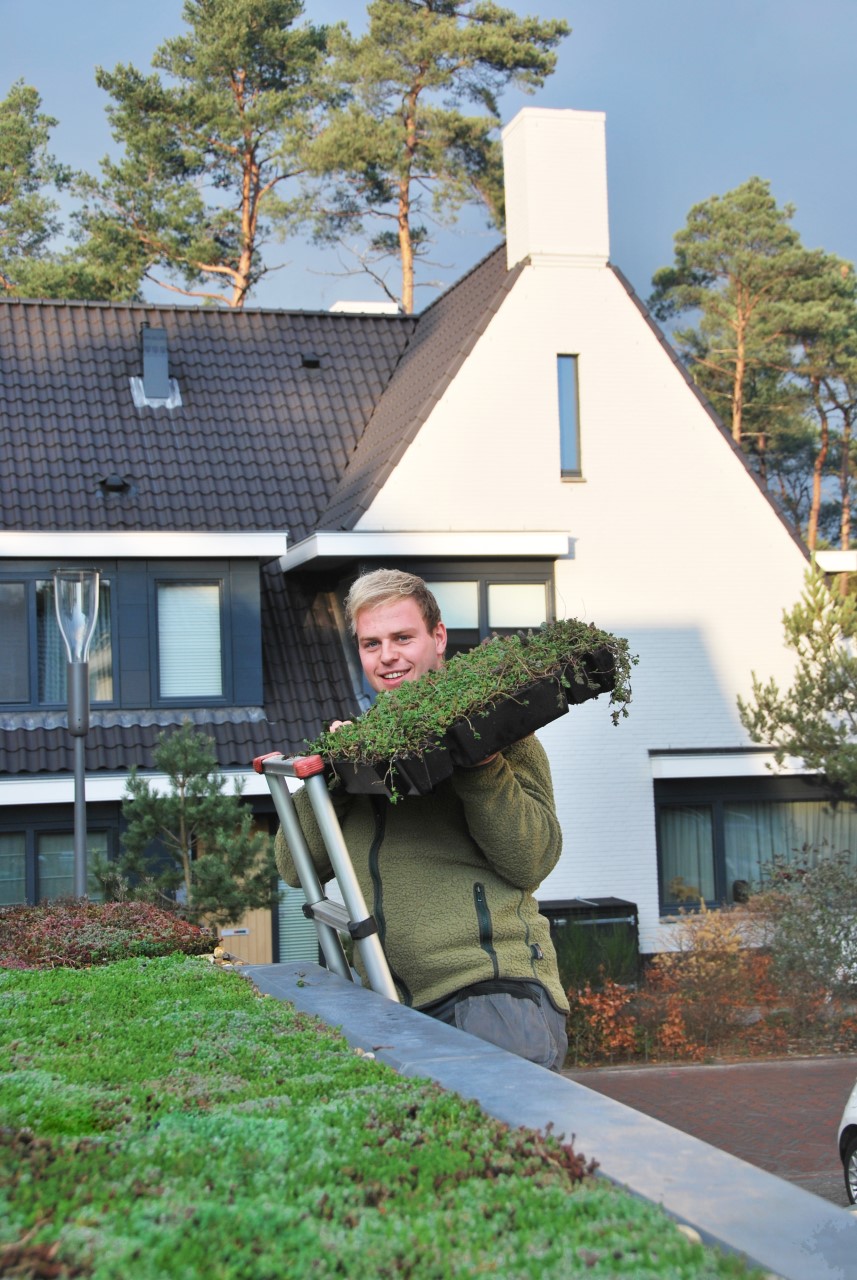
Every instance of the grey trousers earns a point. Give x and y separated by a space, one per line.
526 1024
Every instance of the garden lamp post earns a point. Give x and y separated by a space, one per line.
76 601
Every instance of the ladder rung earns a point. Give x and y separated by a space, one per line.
332 913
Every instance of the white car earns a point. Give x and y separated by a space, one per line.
848 1145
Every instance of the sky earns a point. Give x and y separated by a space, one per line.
698 98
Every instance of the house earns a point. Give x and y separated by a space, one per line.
529 444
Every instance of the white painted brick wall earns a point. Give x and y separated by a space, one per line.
671 545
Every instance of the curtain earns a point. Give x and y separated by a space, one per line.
687 853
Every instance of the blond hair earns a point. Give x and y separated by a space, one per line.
381 586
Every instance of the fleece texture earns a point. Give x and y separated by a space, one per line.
450 876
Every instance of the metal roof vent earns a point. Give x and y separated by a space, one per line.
309 360
156 389
113 488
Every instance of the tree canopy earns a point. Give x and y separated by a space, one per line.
403 139
774 325
29 213
209 147
815 720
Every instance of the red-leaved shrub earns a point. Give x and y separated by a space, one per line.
74 933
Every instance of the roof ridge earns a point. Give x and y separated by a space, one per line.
58 303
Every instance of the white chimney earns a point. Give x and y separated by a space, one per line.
555 165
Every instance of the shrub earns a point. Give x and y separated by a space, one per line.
73 933
601 1025
705 978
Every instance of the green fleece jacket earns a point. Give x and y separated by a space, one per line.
450 876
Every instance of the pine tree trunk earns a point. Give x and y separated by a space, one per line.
817 471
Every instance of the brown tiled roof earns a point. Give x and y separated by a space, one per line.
445 336
259 441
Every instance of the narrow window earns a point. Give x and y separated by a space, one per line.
13 886
190 650
14 652
569 417
52 656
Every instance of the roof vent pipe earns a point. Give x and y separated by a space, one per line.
156 363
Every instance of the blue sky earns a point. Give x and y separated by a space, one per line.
698 97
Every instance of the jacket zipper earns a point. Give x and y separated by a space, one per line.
486 929
380 811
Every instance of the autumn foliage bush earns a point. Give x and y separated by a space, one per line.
73 933
720 990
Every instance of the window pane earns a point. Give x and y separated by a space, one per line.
53 658
189 644
687 854
13 885
14 675
755 834
459 603
569 426
516 604
55 862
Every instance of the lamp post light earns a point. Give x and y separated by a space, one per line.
76 602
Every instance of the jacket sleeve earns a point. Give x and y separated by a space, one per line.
510 813
312 835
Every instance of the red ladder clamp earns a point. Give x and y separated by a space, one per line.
330 918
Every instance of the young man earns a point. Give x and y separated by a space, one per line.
450 876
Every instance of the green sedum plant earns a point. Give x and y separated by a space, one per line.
412 719
161 1121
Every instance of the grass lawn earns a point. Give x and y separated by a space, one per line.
160 1119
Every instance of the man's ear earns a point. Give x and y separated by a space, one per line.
440 638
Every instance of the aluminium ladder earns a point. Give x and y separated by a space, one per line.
330 918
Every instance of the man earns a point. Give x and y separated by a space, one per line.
450 876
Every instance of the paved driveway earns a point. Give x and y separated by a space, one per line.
781 1116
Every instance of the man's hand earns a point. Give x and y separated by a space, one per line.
337 724
480 763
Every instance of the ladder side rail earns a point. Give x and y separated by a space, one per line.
329 939
371 951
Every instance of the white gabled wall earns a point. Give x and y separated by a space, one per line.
671 544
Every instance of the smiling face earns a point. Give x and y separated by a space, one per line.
395 644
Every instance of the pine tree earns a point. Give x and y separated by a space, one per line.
758 292
209 148
29 213
403 137
196 841
815 720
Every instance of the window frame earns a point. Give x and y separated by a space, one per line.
30 577
718 793
568 416
487 573
101 820
168 576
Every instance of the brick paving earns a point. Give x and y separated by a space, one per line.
781 1116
